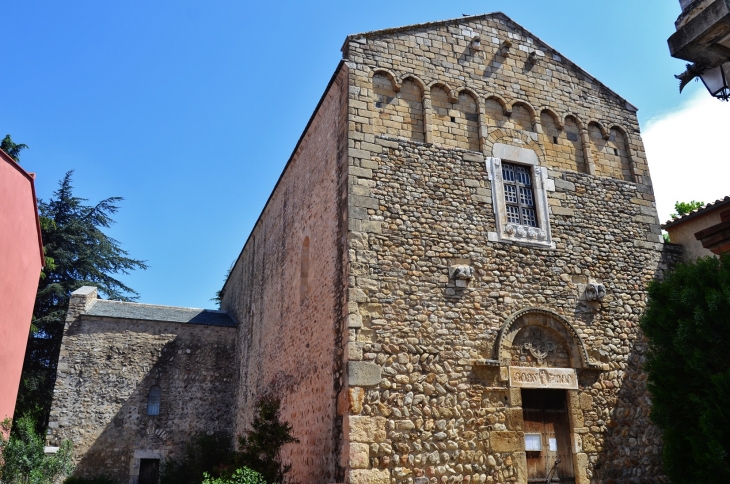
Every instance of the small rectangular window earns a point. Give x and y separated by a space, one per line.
518 195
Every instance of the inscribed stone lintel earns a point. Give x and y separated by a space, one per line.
529 377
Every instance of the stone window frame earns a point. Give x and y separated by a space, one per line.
539 236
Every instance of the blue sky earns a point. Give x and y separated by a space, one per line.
190 109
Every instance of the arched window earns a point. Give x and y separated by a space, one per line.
153 401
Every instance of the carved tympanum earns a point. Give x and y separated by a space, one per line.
536 346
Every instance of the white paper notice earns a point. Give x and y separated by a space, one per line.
553 445
532 442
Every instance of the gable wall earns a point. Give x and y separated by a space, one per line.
428 402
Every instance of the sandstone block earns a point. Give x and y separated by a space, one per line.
514 419
564 185
366 429
369 476
356 398
473 157
568 212
581 464
359 456
354 321
363 373
506 441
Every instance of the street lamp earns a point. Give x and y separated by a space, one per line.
703 38
716 81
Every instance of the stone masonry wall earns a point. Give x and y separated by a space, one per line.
286 291
105 371
428 399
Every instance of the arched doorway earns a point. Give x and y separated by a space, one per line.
539 354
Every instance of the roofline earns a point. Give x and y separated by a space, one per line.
405 28
159 305
286 167
707 209
97 317
31 178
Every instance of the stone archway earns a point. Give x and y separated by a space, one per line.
547 333
540 354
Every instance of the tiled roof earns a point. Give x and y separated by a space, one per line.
149 312
709 207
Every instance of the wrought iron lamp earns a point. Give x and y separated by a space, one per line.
717 81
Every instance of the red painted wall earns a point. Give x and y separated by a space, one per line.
21 259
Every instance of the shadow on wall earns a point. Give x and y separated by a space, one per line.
629 449
196 396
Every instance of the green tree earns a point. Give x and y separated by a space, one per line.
683 208
260 447
687 322
77 253
24 460
11 148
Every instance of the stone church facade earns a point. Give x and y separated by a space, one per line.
444 286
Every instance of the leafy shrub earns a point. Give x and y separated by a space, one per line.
260 448
24 460
89 480
203 454
240 476
211 457
687 322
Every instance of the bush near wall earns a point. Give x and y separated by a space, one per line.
240 476
24 460
687 322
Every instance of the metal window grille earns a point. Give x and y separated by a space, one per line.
518 195
153 401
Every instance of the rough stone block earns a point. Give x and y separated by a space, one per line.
356 398
366 202
354 351
366 429
369 476
581 464
473 157
513 419
363 373
568 212
507 441
354 321
371 227
359 456
564 185
359 153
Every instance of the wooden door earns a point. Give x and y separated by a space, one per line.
547 435
149 471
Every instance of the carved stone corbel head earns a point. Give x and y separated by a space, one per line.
595 291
